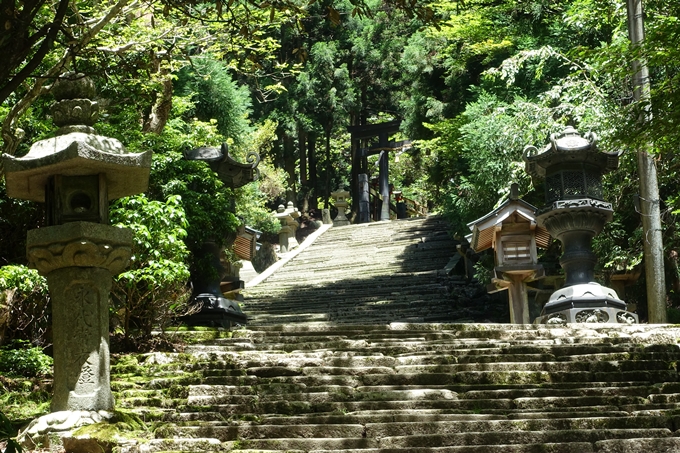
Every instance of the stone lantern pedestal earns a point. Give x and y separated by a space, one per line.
79 260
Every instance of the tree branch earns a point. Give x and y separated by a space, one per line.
40 54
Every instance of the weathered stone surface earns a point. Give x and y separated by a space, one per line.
79 244
663 445
73 154
39 431
80 323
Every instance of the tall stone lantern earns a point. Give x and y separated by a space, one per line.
216 309
575 212
76 174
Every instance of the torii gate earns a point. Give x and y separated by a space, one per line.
360 165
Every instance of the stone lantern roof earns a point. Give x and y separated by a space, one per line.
76 150
231 172
568 149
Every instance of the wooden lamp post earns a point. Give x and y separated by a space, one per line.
511 230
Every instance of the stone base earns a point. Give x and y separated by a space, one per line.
586 303
47 432
604 315
216 311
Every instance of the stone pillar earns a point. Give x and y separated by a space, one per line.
79 260
383 164
364 200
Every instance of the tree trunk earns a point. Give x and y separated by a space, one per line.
302 147
160 111
313 175
289 158
649 188
327 193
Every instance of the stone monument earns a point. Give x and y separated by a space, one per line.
575 212
76 174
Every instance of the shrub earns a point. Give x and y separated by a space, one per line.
154 289
18 358
24 305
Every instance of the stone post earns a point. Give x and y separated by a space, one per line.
364 199
326 216
287 216
383 164
79 260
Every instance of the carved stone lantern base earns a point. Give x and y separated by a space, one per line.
79 260
586 303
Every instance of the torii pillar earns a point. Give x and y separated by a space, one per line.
360 163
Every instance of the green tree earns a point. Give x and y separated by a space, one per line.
153 290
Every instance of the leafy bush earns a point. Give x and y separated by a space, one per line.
19 359
24 305
154 289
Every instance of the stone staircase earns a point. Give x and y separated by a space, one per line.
370 273
350 366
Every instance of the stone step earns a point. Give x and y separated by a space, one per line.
390 429
523 397
455 439
662 444
463 378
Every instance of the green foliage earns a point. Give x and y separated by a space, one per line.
208 203
24 305
215 96
16 217
154 288
19 359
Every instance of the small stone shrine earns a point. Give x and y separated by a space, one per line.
575 212
511 230
76 174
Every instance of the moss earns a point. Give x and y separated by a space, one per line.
177 391
123 425
164 430
24 399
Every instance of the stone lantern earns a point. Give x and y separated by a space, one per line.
76 174
512 231
575 212
209 292
287 217
340 201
